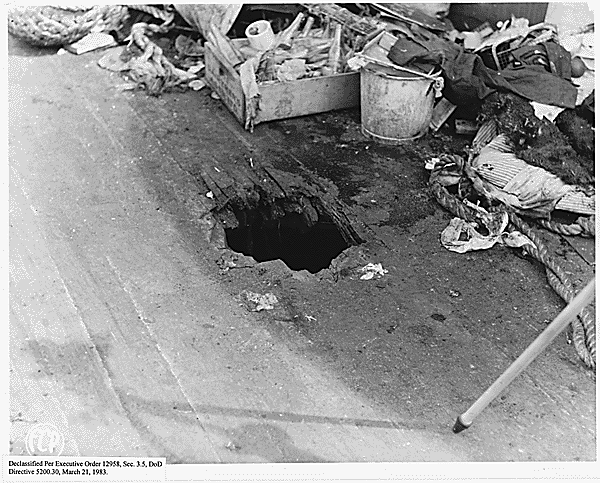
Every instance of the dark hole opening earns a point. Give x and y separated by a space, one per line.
289 238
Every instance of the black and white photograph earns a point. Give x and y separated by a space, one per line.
300 242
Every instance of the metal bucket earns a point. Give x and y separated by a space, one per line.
396 106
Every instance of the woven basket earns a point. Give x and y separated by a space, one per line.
54 26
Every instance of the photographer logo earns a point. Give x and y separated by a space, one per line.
45 440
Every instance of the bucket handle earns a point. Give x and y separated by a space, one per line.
399 67
437 85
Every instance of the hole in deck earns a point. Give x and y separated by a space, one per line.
289 238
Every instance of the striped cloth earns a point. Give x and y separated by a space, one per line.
534 188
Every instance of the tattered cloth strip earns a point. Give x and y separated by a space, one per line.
251 91
527 189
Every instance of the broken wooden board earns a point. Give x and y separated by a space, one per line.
411 15
275 193
362 25
441 112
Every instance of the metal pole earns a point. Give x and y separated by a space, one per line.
535 348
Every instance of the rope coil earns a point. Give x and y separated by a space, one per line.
584 226
584 325
51 26
167 14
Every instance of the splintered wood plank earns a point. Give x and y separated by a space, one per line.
243 176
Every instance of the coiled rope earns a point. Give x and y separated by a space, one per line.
50 26
152 69
166 14
584 325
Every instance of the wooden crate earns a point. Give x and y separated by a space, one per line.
280 100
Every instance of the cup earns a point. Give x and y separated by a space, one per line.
260 35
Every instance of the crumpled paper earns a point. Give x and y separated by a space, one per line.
372 270
291 70
461 236
260 302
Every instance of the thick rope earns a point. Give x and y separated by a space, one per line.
584 326
573 229
452 203
166 15
588 223
53 26
559 281
152 68
582 338
583 227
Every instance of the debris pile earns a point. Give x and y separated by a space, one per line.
526 93
317 43
533 153
292 54
540 142
143 62
489 189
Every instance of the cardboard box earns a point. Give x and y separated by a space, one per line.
280 100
